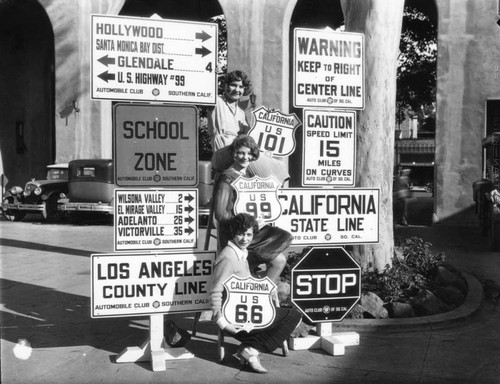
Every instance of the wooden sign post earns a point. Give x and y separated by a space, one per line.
154 348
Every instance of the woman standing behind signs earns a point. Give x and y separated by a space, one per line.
233 261
270 242
227 120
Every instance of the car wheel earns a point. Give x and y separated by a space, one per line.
12 215
50 212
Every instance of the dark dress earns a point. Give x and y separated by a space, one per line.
273 336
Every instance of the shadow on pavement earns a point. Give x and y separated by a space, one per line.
420 210
51 319
44 247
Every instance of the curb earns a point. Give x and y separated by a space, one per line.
468 308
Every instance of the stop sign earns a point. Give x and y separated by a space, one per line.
326 284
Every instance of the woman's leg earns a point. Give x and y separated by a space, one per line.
275 267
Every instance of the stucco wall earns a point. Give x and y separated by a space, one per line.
468 47
257 42
81 132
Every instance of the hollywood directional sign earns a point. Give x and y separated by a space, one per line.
140 59
155 219
155 145
329 149
274 131
330 216
138 284
326 284
328 69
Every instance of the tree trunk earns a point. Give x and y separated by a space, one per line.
380 21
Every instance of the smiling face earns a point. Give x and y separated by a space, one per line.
234 90
242 158
243 239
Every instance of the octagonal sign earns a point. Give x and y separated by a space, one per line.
326 284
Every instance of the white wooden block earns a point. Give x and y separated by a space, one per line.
347 338
158 360
308 342
332 345
324 329
177 354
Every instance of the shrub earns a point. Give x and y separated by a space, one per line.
410 273
396 283
418 257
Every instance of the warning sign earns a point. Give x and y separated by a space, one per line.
329 150
141 59
145 284
328 69
155 219
326 284
336 216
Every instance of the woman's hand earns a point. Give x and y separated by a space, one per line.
232 328
268 154
260 222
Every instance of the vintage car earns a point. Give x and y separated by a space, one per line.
90 188
37 196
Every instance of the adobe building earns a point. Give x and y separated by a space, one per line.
47 115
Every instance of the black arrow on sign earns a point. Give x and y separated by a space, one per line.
189 219
188 230
106 60
106 76
203 36
189 198
189 209
202 51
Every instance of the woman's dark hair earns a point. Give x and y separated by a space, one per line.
237 76
241 222
245 141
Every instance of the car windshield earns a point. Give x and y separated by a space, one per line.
57 174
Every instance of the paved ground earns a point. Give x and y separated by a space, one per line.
45 287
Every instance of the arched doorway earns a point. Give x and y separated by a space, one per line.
27 130
416 90
194 10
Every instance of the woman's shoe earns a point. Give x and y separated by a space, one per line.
250 356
